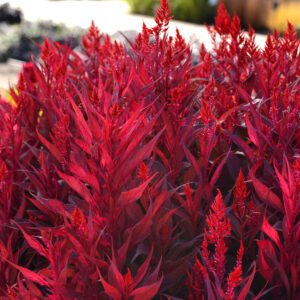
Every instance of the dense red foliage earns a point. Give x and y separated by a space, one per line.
130 173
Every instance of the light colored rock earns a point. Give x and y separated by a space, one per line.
9 73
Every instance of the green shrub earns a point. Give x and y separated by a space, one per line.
197 11
142 7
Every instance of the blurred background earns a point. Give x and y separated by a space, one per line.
263 15
25 23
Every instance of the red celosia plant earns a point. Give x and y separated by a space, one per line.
113 163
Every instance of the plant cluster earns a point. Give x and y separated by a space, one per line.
130 173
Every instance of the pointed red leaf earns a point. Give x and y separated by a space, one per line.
33 243
270 232
265 194
146 292
245 290
110 290
30 275
252 132
77 186
133 194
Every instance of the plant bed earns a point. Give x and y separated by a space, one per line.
130 173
